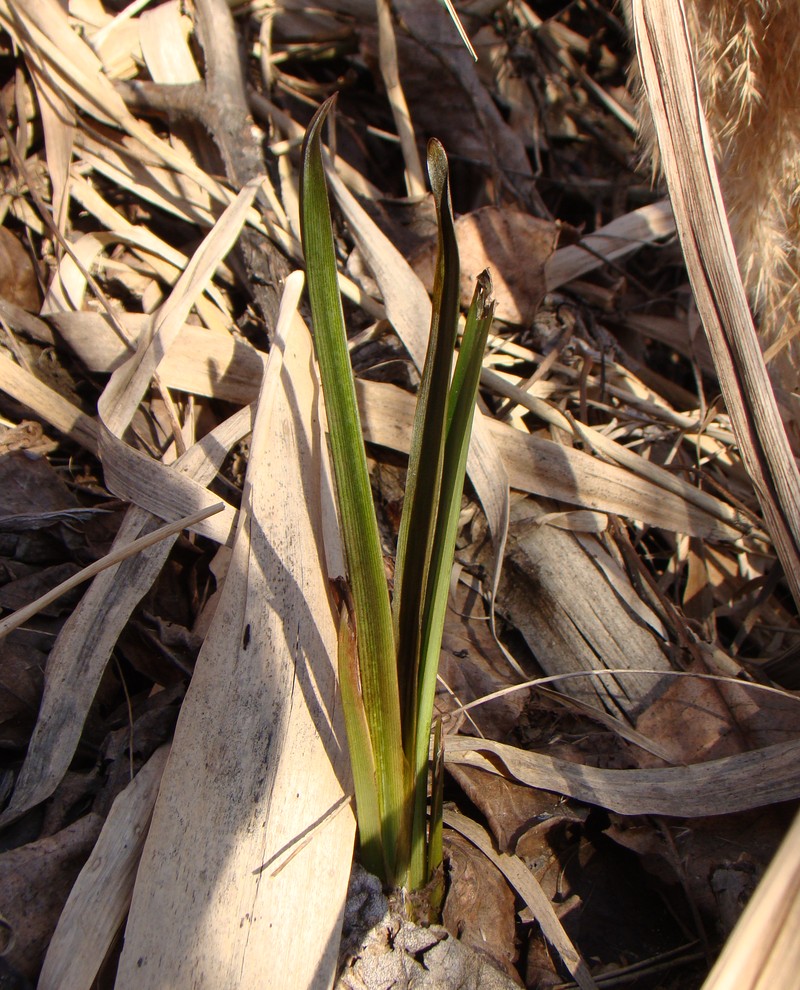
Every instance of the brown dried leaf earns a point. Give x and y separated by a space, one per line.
29 484
704 719
34 883
718 861
514 246
479 909
16 594
18 282
510 808
21 677
472 665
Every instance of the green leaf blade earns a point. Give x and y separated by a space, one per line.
365 780
461 409
427 448
371 608
417 536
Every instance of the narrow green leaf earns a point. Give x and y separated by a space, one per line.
464 387
427 452
372 612
461 408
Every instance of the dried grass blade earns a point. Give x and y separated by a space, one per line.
129 383
58 123
49 404
130 474
719 787
100 897
595 440
387 53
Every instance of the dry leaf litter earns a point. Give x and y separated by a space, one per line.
174 776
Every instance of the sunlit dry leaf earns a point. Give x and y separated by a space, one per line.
258 769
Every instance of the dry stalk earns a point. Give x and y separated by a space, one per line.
748 70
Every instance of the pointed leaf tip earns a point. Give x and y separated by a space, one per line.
319 119
437 168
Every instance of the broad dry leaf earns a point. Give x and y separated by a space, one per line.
18 284
479 906
247 861
529 890
35 880
200 362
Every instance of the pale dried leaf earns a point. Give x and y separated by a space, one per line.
257 778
